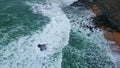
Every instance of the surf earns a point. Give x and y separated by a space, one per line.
55 35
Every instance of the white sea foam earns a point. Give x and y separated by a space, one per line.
61 3
24 53
81 23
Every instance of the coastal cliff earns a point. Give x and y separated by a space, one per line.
108 13
108 16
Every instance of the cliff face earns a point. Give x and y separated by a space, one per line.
109 12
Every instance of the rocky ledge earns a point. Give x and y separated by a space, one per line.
108 18
107 12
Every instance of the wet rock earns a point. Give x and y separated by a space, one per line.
85 3
42 47
102 20
111 11
106 10
88 34
91 29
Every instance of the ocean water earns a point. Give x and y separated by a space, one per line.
87 46
62 28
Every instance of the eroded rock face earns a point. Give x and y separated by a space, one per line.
111 10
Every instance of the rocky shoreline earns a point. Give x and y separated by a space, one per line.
107 12
110 25
111 31
114 38
103 17
108 20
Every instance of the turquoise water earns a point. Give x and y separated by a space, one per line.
26 23
86 48
17 20
84 54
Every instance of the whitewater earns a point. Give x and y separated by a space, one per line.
69 44
24 52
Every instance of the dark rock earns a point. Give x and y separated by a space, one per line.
88 34
86 3
91 28
110 13
107 11
42 47
103 20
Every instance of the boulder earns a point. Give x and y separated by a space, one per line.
42 47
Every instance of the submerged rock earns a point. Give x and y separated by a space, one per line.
42 47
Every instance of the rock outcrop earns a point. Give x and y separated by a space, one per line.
42 47
108 13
